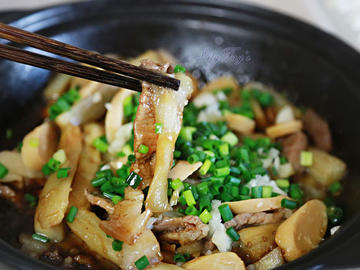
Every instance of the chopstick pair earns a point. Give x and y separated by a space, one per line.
114 71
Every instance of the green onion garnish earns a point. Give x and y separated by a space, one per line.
133 180
60 156
186 133
189 197
179 68
230 138
221 172
116 199
177 184
283 183
158 128
30 199
205 216
306 158
290 204
63 173
98 181
101 144
178 257
72 214
117 245
232 233
142 263
193 158
225 212
224 149
9 133
191 211
143 149
296 192
40 237
3 171
128 106
205 167
256 192
266 192
335 187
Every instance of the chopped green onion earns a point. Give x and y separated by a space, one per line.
283 160
133 180
178 68
205 167
234 181
54 164
158 128
244 197
117 245
233 234
63 173
335 187
120 154
98 181
3 171
290 204
34 142
60 156
128 106
178 257
30 199
72 214
283 183
191 211
19 147
127 149
225 212
9 133
101 144
131 158
244 190
266 192
220 172
193 158
256 192
306 158
202 188
205 216
40 237
46 170
142 263
224 149
230 138
143 149
177 184
296 192
186 133
115 199
189 197
335 214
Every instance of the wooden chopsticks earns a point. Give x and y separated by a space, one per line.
112 67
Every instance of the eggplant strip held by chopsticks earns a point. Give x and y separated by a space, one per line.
162 107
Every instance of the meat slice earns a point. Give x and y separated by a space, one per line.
99 201
259 218
318 129
292 146
127 222
163 106
182 230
